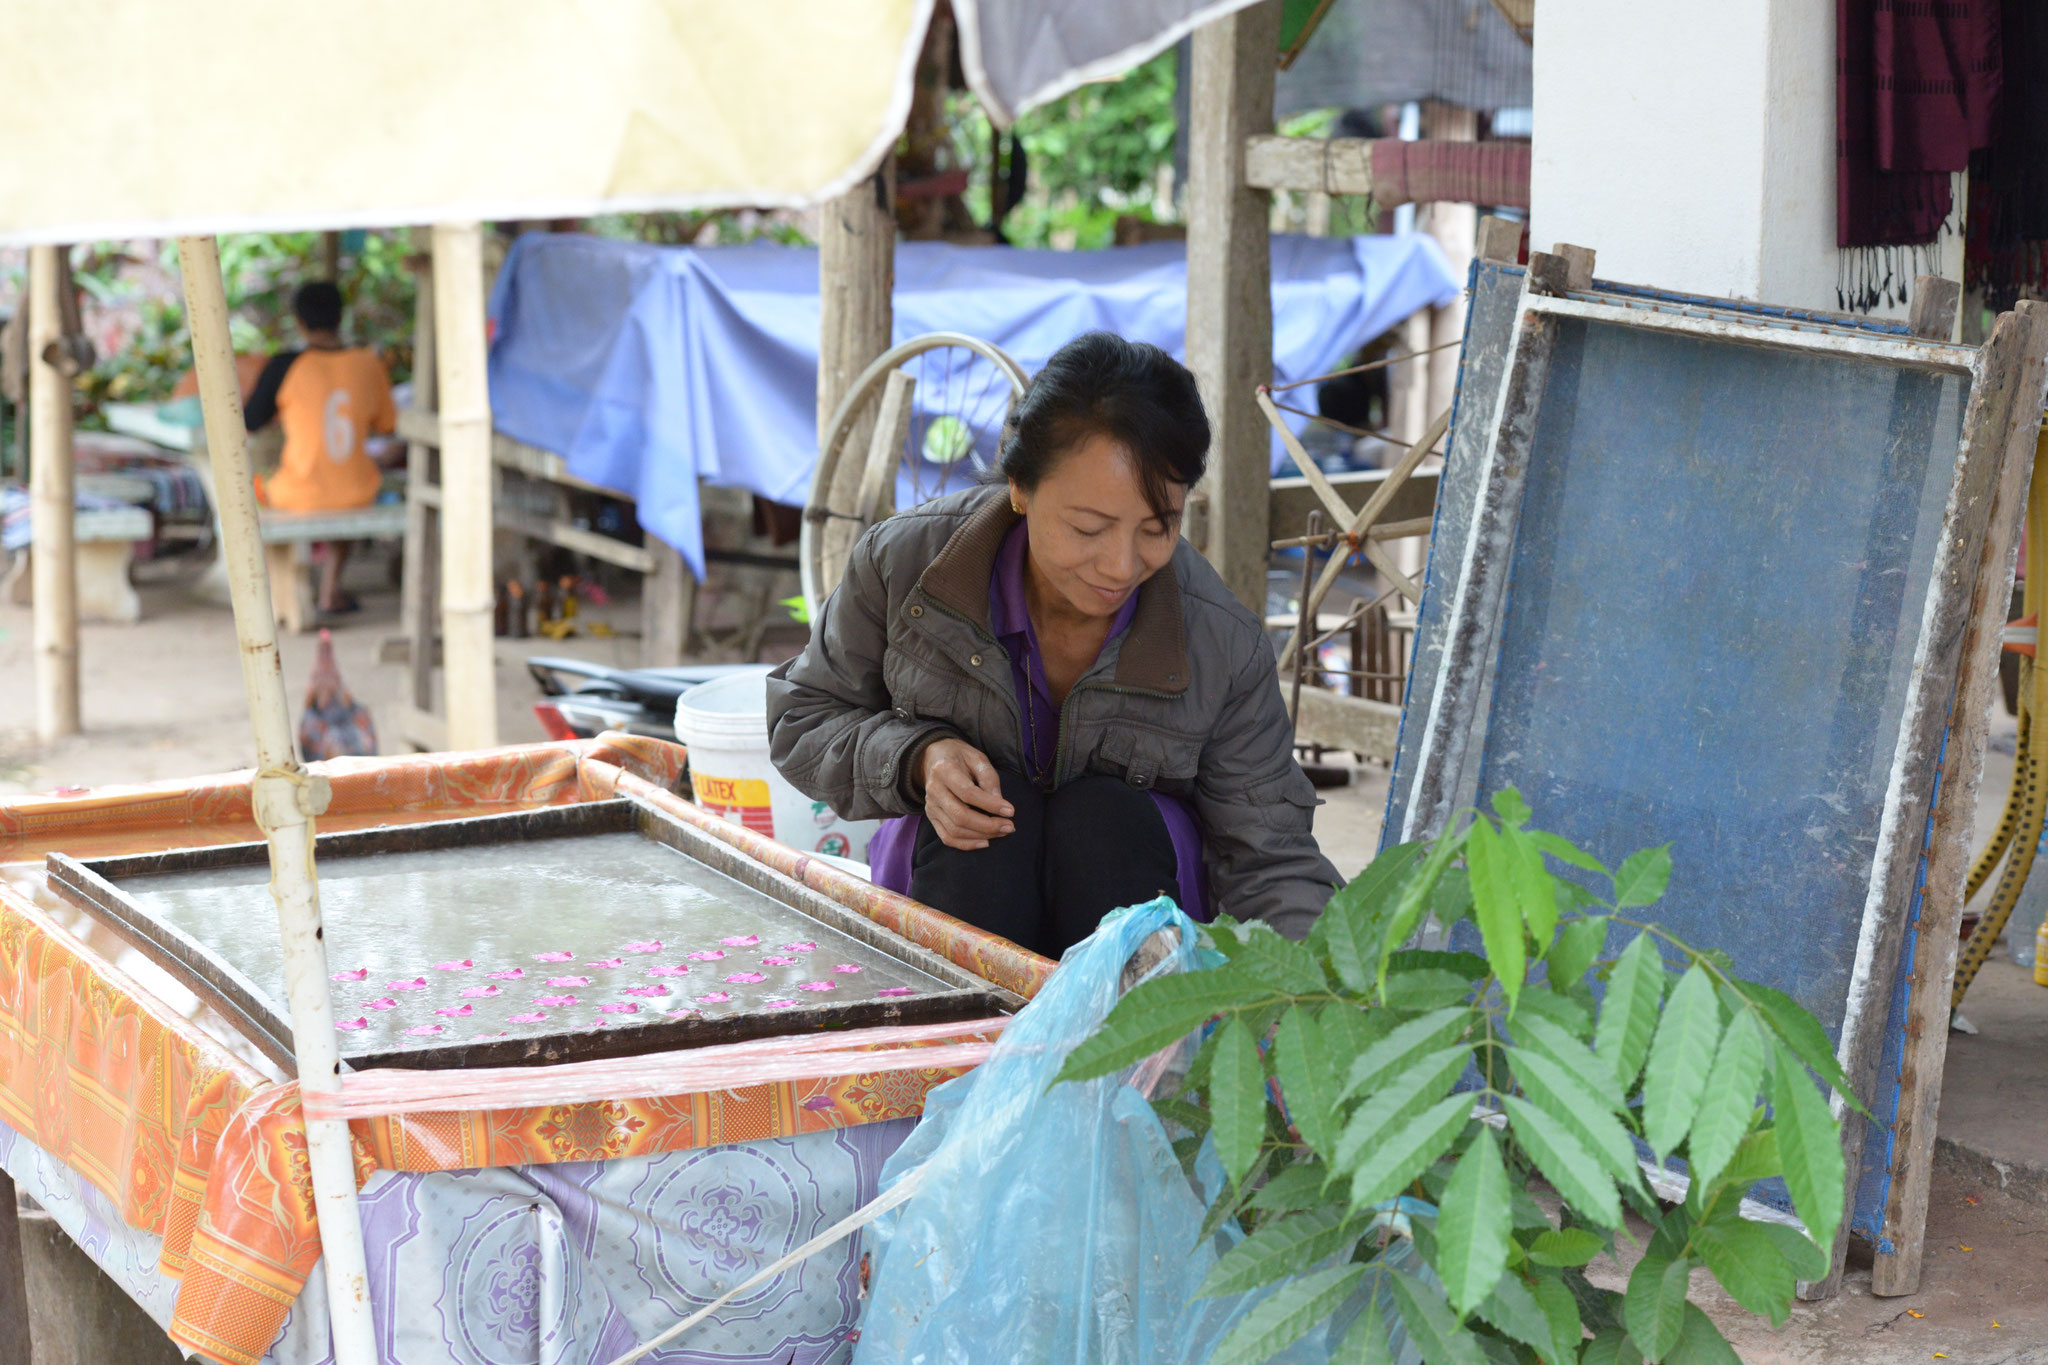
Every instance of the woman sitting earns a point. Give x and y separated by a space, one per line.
1058 697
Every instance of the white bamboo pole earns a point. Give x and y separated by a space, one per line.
54 563
286 799
469 675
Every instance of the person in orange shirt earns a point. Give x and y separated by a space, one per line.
334 401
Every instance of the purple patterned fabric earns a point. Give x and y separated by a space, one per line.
570 1264
1039 727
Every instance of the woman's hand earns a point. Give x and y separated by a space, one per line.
963 796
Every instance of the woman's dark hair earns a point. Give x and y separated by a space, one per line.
1130 391
318 305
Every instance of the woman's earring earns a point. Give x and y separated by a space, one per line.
1017 508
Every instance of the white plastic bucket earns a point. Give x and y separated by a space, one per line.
725 725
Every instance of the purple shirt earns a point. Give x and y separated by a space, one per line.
890 850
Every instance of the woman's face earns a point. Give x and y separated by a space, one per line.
1093 536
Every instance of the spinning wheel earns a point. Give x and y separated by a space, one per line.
924 419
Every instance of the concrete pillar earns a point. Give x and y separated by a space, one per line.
76 1314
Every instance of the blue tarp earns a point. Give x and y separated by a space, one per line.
649 368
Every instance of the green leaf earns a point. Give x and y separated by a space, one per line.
1192 1117
1402 1098
1756 1158
1350 931
1399 1157
1451 899
1611 1347
1748 1264
1535 889
1280 962
1808 1261
1349 1030
1285 1247
1642 877
1599 1308
1558 1094
1511 808
1287 1315
1656 1302
1158 1012
1300 1186
1728 1101
1565 1163
1414 898
1561 1311
1539 1034
1310 1078
1797 1029
1565 1246
1567 1014
1810 1146
1512 1310
1403 1045
1472 1224
1496 907
1628 1016
1679 1059
1565 851
1431 1325
1427 989
1366 1343
1579 944
1233 1198
1701 1343
1470 966
1237 1099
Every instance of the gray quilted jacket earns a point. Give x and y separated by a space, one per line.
1186 701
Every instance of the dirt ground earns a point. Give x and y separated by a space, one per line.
163 699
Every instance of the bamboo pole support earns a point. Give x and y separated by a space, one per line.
53 559
468 603
286 798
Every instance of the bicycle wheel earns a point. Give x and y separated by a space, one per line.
939 402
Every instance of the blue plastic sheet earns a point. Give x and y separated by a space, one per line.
649 368
1056 1224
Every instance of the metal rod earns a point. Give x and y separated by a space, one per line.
286 797
1369 365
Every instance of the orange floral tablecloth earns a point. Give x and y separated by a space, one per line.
202 1148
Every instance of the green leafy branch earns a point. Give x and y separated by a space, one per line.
1359 1089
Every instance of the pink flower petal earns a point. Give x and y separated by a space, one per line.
714 998
386 1003
819 986
568 981
707 955
418 983
461 966
804 947
778 962
741 940
457 1011
668 971
655 992
551 1001
652 945
681 1013
619 1007
509 974
897 990
427 1030
552 957
746 978
357 975
846 967
351 1025
607 962
533 1018
781 1004
478 992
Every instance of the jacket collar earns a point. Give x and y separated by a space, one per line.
1153 654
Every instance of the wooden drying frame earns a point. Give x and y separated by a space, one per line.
91 885
2006 382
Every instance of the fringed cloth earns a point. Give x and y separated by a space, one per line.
2007 254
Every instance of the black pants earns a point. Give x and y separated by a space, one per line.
1091 847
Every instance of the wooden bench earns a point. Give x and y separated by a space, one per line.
103 548
288 536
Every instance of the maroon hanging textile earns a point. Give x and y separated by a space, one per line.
2007 253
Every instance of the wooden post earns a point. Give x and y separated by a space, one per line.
856 278
285 798
52 509
419 590
469 673
668 600
1456 229
15 1347
1230 286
